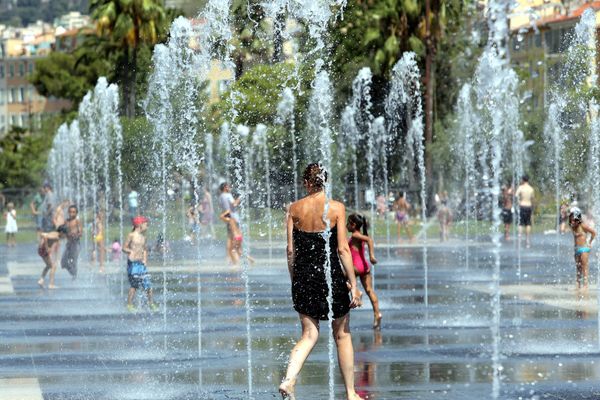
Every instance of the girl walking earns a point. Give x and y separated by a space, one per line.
11 225
356 223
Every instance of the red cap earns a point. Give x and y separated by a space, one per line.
137 221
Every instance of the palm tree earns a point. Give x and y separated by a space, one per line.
130 24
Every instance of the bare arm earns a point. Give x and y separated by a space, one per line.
290 244
126 249
370 244
591 231
346 257
223 217
34 211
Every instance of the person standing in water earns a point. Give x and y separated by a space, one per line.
582 246
526 195
444 216
401 209
47 241
137 258
307 229
362 269
507 209
74 232
11 228
229 203
36 210
98 250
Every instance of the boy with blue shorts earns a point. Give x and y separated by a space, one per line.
137 256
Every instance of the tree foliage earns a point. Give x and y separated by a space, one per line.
23 155
127 25
67 76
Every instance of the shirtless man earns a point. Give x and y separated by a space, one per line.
74 232
401 209
137 257
507 209
525 195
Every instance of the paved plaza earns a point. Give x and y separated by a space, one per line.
79 341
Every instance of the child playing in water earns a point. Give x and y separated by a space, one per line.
444 216
115 250
11 225
47 240
74 231
582 246
137 257
357 241
236 234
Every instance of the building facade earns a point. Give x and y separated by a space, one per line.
540 33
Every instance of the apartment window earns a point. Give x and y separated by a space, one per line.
22 94
11 70
2 71
30 67
2 94
21 69
24 120
12 96
538 40
13 120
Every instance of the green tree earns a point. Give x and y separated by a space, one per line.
69 76
23 155
250 39
128 25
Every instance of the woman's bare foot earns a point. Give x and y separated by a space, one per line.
52 286
354 396
377 321
286 389
41 282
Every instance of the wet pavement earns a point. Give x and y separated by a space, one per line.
79 341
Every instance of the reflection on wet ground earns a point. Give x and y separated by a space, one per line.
78 342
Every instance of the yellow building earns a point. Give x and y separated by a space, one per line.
540 30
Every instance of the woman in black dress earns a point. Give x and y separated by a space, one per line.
307 250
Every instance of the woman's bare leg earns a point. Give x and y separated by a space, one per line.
310 335
367 282
343 341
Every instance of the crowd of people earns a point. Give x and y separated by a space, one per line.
321 240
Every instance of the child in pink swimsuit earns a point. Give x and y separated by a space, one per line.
357 241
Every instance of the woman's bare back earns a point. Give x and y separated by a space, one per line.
307 213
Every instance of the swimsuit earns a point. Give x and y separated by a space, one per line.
138 275
579 250
309 287
238 238
401 216
361 266
525 216
70 256
507 216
